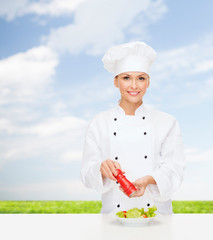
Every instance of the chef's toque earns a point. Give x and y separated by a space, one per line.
129 57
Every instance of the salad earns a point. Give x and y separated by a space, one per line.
138 213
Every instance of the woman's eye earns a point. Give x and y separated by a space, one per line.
126 78
141 78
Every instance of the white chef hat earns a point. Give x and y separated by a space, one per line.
129 57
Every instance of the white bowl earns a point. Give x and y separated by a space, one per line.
135 222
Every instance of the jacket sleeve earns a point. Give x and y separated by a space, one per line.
170 170
91 176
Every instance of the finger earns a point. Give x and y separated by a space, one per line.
112 167
104 173
118 166
108 172
136 193
139 193
138 184
143 191
110 175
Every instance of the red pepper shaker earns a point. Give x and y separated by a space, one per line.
126 185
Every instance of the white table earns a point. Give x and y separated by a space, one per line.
101 227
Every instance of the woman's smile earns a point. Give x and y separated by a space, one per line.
133 93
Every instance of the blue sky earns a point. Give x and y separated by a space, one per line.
52 82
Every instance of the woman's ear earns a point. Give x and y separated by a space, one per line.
116 82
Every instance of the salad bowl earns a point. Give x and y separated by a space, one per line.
134 222
136 217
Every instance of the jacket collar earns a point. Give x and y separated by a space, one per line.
138 112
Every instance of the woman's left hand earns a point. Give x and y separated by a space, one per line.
141 184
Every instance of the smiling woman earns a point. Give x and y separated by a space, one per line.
144 143
132 86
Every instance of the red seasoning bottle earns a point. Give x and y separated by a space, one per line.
126 185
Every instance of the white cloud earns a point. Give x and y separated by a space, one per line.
194 155
11 9
57 139
101 24
203 66
55 126
206 90
93 90
6 126
57 190
70 156
24 75
54 7
198 175
187 60
196 190
182 76
17 8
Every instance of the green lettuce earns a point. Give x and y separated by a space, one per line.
137 213
151 211
133 213
120 214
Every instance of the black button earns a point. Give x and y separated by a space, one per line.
143 118
117 182
116 158
144 133
118 205
148 204
114 133
145 156
115 119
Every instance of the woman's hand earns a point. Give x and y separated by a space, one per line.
141 185
108 168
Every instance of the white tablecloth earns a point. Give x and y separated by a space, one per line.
101 227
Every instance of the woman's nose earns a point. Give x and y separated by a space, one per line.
133 84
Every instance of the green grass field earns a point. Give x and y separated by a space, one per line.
90 206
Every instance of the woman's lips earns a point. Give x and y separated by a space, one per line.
133 93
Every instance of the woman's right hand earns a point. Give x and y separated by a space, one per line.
108 168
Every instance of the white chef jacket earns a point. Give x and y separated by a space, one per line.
147 143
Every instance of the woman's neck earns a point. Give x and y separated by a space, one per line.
129 108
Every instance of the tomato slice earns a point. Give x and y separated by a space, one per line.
124 213
144 216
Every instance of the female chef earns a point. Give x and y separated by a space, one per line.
144 143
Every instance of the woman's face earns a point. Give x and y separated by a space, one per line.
132 86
